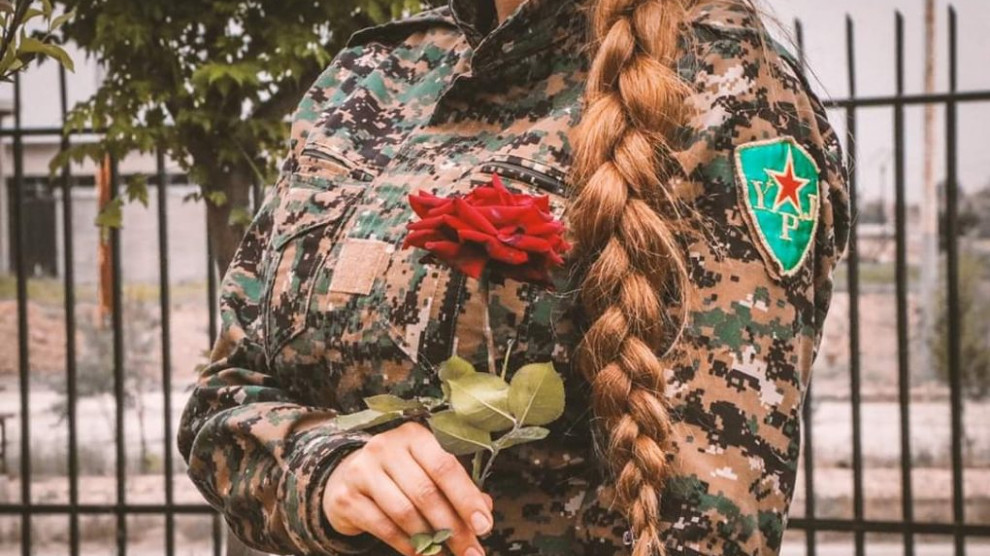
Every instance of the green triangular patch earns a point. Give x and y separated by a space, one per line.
778 183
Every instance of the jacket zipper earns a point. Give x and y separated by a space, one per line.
355 173
528 175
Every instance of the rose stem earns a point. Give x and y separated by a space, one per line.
490 341
483 290
505 362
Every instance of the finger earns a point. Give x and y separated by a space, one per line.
397 506
448 473
488 500
369 517
432 504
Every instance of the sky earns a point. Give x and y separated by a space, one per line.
824 29
874 20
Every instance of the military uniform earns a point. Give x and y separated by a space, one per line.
321 307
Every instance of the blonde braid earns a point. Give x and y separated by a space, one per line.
621 173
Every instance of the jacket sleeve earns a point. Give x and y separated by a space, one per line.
258 454
765 174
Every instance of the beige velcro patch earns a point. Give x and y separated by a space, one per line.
359 263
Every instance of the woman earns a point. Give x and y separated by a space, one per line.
704 193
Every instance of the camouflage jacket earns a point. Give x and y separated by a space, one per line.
321 307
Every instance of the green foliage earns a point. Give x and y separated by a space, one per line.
429 544
17 47
211 84
974 325
536 395
473 407
482 400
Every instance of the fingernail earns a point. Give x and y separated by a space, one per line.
480 524
472 551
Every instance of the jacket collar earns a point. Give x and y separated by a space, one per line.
533 27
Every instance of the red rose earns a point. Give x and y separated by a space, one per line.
514 232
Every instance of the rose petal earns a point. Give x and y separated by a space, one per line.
526 243
445 248
504 253
472 265
471 215
424 201
445 208
476 236
456 223
426 223
419 238
545 228
464 257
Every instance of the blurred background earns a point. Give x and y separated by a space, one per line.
107 309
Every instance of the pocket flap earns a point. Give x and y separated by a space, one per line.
538 174
303 209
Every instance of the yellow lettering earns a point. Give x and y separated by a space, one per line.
761 193
812 208
789 224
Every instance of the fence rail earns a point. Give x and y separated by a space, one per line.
859 526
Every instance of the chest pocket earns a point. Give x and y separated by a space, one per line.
518 310
320 196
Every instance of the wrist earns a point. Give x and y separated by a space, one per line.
337 470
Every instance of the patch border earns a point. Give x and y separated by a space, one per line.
750 213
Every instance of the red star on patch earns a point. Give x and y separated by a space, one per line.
788 184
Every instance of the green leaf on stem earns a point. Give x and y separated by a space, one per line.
365 419
388 402
61 20
482 400
457 436
536 394
521 436
442 535
453 368
432 549
421 541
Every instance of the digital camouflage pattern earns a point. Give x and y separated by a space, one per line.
321 307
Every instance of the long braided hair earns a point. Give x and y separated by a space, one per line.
623 219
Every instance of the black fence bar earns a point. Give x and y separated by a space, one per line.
47 131
211 293
211 284
110 509
952 263
807 416
853 284
881 526
257 194
901 279
119 392
71 374
217 535
24 363
165 306
909 100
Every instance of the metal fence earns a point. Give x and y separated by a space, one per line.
122 509
959 529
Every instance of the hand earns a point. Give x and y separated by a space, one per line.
401 482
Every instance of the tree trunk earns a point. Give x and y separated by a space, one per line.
224 237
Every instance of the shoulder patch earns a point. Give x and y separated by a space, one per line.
778 181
